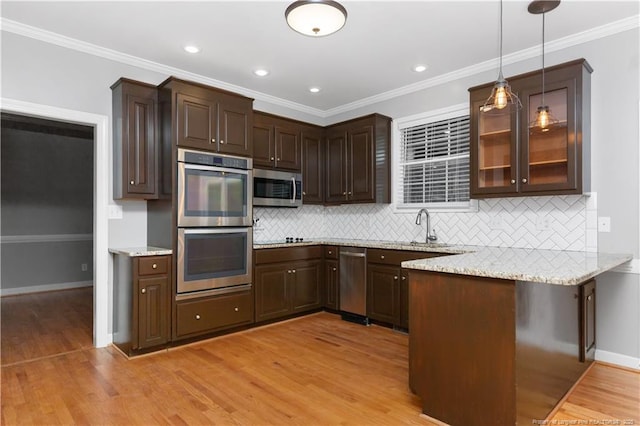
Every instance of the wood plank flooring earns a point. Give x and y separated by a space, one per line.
315 370
44 324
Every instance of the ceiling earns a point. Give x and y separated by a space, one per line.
374 53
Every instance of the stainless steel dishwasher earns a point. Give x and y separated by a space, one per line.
353 284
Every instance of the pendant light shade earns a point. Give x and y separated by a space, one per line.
316 18
501 94
544 120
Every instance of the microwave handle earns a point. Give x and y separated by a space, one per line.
293 180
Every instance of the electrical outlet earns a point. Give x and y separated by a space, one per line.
495 222
543 223
83 267
114 211
604 224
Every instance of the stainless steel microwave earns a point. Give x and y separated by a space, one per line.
276 188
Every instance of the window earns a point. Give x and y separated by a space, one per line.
433 160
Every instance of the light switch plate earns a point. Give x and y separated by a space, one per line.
115 211
604 224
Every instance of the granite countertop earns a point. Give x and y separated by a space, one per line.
544 266
141 251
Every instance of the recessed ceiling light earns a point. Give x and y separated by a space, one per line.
261 72
314 89
420 68
191 48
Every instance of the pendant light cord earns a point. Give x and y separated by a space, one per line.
500 37
543 13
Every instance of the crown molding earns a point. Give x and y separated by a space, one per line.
114 55
612 28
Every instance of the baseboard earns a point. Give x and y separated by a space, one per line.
618 359
44 287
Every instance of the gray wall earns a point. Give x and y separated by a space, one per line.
57 76
47 198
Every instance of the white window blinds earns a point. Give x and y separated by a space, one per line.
434 163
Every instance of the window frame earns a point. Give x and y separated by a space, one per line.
447 113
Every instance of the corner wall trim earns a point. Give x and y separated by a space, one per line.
44 287
618 359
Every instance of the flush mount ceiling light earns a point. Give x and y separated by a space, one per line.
544 119
316 18
191 48
501 94
420 68
261 72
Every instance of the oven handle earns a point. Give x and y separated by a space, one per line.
213 168
220 230
293 180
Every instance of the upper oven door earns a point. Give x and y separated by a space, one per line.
276 188
214 196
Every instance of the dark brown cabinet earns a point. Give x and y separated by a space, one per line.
512 156
276 142
209 119
141 302
357 163
135 145
332 278
287 281
587 297
387 285
312 165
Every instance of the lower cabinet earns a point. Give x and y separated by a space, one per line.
587 296
387 285
206 315
141 302
287 281
331 278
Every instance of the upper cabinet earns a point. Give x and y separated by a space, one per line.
312 165
210 119
135 150
276 142
510 156
357 163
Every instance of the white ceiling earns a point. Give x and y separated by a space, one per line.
374 53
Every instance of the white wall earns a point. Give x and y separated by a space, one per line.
43 73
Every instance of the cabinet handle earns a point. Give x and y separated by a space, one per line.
197 316
272 158
524 180
221 141
382 256
143 291
213 140
395 277
132 182
154 266
304 193
513 181
236 309
334 269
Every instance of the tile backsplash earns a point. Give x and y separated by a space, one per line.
552 222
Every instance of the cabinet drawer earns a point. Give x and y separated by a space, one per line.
396 257
330 252
286 254
199 316
153 265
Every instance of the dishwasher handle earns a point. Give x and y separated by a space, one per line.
352 254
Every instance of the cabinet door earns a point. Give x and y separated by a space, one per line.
140 146
404 299
335 170
548 156
494 153
306 286
288 148
312 167
383 293
332 284
360 165
271 291
235 118
197 123
153 311
587 320
263 144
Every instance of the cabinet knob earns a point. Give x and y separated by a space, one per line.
330 252
395 277
344 193
524 180
154 266
143 291
197 316
334 269
272 158
589 298
213 140
382 256
349 192
289 271
294 271
404 278
236 309
132 182
278 159
513 181
304 193
221 141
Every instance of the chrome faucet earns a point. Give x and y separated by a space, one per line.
429 237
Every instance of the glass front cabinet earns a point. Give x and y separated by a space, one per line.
514 153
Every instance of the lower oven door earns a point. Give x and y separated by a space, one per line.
213 258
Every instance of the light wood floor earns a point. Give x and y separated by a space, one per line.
315 370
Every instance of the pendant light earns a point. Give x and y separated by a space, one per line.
316 18
544 119
501 94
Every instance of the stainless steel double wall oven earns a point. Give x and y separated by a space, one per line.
214 212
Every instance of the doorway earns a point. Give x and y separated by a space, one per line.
101 163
